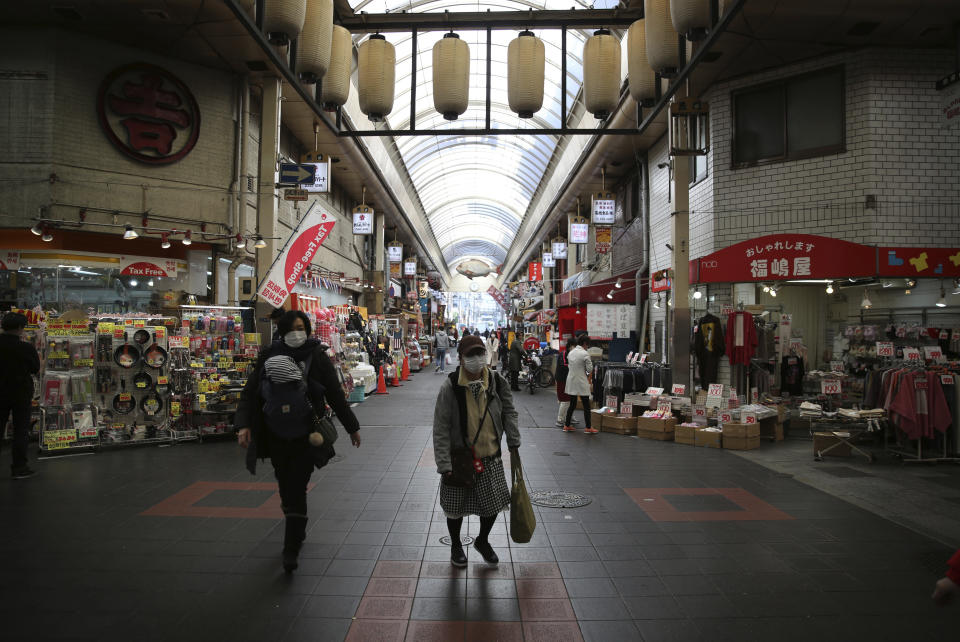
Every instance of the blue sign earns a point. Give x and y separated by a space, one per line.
294 174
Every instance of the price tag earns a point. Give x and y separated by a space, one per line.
678 389
884 348
626 409
81 363
921 384
700 415
175 408
124 396
163 380
836 366
749 417
139 323
726 417
118 332
754 395
665 406
161 333
715 390
911 354
141 384
105 328
946 380
654 392
830 387
933 353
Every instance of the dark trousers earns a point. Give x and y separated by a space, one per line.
514 380
20 407
441 359
292 465
586 410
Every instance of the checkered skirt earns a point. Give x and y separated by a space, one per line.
489 496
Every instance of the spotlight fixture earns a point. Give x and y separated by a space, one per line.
697 294
187 240
165 240
241 242
259 243
766 287
150 283
342 278
133 283
830 288
942 301
619 284
129 233
866 304
610 294
773 292
956 286
887 283
911 283
37 228
47 235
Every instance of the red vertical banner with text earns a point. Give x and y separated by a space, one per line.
535 271
296 256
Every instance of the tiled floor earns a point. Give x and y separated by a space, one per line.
679 543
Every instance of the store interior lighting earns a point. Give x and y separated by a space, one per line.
697 294
766 287
37 228
619 283
241 242
129 233
866 304
187 240
133 283
259 243
164 240
610 294
773 291
150 283
830 288
47 235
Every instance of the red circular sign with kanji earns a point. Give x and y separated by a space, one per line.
148 113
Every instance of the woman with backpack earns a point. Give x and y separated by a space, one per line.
474 408
293 381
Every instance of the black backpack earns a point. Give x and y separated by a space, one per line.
287 408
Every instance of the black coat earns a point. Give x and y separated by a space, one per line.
20 360
516 354
322 376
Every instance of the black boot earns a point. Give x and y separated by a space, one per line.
295 533
457 557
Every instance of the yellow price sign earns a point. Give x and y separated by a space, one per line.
106 328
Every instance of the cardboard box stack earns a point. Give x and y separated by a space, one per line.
685 434
741 436
619 424
708 438
656 428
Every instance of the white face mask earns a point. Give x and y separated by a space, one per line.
295 338
474 364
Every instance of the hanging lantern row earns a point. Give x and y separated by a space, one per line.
325 53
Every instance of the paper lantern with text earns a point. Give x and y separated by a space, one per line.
525 66
313 45
283 19
601 74
641 77
663 50
451 76
376 72
690 18
335 88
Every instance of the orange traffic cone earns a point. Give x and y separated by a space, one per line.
396 378
381 383
405 374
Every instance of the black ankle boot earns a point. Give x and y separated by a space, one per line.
294 534
486 551
457 557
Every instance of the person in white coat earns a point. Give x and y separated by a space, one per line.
578 384
493 350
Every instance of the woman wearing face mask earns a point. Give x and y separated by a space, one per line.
293 458
474 409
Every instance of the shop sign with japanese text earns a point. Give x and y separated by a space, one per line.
410 268
548 260
535 271
395 253
604 209
579 231
660 281
559 250
781 257
363 219
10 260
148 114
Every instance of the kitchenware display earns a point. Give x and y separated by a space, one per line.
162 386
142 381
104 379
155 356
141 337
58 353
104 347
123 402
126 355
82 386
81 352
151 404
56 389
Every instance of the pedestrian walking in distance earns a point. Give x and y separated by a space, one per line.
579 379
19 362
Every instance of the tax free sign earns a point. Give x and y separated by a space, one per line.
296 255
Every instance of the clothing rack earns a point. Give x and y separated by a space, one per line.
630 377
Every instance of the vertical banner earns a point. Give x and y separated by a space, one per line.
363 220
559 247
535 271
579 230
604 209
395 252
296 255
604 238
548 261
410 267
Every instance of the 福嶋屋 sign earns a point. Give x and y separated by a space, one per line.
148 113
296 256
604 235
145 266
781 257
363 219
535 271
9 260
604 209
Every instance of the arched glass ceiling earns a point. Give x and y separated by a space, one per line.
476 189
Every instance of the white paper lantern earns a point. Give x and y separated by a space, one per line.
525 67
451 76
642 78
335 88
313 45
690 17
376 73
663 50
283 19
601 74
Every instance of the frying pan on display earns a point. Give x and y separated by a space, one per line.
123 402
155 356
142 381
161 388
141 337
127 355
151 404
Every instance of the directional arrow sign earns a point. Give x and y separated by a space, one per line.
294 174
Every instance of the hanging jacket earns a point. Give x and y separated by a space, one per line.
741 339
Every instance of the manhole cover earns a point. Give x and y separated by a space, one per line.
560 453
464 539
559 499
